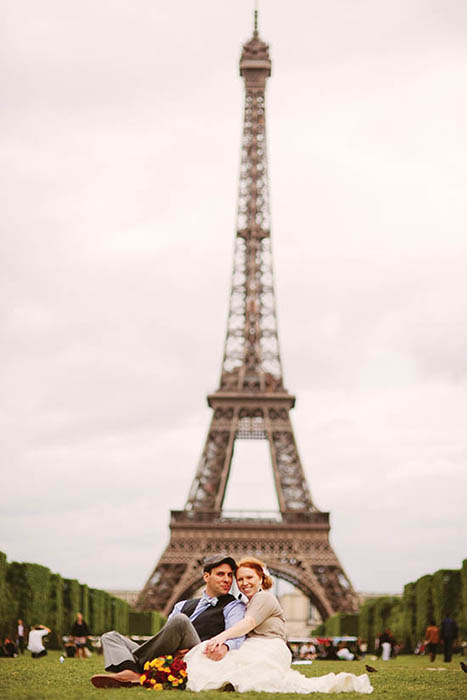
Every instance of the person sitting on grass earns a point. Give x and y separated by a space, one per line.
8 648
36 641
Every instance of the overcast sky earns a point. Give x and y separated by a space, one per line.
120 143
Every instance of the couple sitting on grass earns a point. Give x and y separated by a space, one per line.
226 644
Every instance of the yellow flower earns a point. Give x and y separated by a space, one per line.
158 686
169 658
142 678
172 678
152 681
183 673
147 666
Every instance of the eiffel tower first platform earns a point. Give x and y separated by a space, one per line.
251 403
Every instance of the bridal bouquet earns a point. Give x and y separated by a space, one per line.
164 673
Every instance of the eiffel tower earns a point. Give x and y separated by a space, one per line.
251 403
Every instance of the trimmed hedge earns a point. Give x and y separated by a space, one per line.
56 611
142 624
120 616
409 607
37 596
382 615
4 596
366 628
98 621
463 619
29 586
396 620
71 600
447 594
341 624
424 604
85 601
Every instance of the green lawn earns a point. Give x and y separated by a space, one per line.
405 678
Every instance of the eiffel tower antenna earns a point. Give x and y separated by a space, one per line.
251 403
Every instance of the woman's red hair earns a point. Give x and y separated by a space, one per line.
260 568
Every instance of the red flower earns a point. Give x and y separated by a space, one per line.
178 665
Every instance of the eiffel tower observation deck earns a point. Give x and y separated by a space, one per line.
251 403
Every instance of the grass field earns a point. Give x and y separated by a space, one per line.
404 678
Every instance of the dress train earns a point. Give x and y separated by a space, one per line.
263 665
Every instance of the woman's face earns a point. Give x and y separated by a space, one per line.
248 581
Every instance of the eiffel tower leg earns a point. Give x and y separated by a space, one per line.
208 488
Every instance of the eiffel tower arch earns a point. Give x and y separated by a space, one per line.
252 403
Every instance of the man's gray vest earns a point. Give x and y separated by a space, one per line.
211 621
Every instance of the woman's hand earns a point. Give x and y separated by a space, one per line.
216 648
215 645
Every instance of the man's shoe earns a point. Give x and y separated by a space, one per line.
123 679
464 667
227 688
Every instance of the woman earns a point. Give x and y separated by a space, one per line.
79 635
263 661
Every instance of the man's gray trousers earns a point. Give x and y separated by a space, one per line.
177 633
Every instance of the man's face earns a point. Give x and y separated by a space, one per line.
219 580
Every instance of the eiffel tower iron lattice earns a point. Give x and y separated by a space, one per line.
251 403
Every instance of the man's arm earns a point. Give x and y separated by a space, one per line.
241 628
233 615
177 608
234 612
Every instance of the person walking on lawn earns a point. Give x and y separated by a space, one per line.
449 631
432 640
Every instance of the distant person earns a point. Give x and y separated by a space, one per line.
344 653
9 648
20 636
432 640
80 633
386 641
35 641
448 634
70 647
362 646
330 653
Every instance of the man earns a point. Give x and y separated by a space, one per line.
432 640
190 622
35 643
448 634
20 636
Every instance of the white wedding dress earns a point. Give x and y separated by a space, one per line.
264 665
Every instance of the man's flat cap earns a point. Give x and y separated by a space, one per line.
214 560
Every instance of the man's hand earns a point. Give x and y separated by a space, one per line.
181 653
217 652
